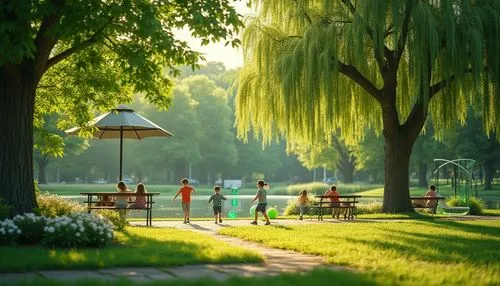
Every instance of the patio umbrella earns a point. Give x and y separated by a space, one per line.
122 122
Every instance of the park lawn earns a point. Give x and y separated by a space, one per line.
137 247
422 252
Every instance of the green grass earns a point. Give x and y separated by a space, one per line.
490 212
424 252
137 247
317 277
445 190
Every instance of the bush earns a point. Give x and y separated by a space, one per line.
368 208
476 205
31 227
119 222
50 205
8 232
4 209
77 230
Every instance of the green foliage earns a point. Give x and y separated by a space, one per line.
119 222
51 205
324 63
476 205
4 209
91 44
77 230
368 208
9 232
313 188
32 228
406 252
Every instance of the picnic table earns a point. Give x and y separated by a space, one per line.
345 202
95 202
432 206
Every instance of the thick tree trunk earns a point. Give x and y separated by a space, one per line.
17 100
488 175
396 189
42 166
422 174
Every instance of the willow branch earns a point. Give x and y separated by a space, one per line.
360 79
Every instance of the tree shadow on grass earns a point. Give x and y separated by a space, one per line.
439 247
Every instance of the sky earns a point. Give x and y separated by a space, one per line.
231 57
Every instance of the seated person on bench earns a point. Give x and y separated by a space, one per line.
431 192
140 201
105 201
334 200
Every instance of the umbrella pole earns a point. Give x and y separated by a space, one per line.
121 151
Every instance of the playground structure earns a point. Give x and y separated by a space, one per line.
461 171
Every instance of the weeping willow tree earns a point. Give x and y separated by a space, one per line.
313 66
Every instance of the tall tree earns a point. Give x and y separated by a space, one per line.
104 49
315 66
217 140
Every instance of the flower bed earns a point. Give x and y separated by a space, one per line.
75 230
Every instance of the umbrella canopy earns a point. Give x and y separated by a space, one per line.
122 122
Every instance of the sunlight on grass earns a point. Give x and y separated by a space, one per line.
430 252
137 247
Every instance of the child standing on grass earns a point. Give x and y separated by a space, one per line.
185 191
303 201
261 196
217 199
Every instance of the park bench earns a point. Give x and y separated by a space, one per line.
348 203
95 202
433 206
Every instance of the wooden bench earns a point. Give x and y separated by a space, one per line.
348 203
433 206
95 202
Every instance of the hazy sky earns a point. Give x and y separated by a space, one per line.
231 57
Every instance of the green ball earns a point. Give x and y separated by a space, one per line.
252 210
272 213
232 214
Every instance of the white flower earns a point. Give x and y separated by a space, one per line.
51 229
82 229
77 234
18 231
10 230
74 226
109 235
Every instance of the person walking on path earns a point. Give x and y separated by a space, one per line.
261 196
185 191
217 199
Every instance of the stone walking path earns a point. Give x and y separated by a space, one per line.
276 261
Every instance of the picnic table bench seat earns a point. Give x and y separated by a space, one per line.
95 202
345 202
433 206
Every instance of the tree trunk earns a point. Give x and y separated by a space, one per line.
42 166
17 100
396 189
488 175
422 174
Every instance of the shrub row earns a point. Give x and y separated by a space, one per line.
75 230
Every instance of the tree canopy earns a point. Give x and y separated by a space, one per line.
315 66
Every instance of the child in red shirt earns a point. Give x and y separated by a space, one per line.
334 200
185 191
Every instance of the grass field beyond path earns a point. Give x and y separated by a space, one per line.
138 247
430 252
